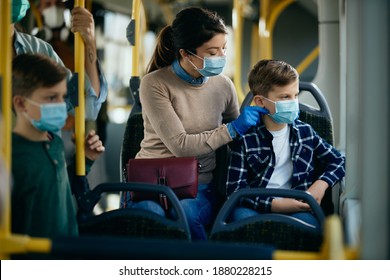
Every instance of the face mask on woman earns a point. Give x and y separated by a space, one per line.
212 66
53 116
19 9
286 111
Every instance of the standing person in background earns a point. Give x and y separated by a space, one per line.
186 102
82 22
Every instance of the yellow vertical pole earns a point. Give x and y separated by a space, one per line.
9 243
265 40
5 143
237 27
88 5
305 63
5 73
135 15
269 13
80 109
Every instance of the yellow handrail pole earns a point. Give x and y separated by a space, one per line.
308 60
135 15
269 13
88 5
80 109
10 243
143 28
237 27
36 13
5 73
332 247
275 13
255 44
266 27
264 40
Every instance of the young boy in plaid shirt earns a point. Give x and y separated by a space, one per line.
281 150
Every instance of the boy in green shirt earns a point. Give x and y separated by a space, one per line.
42 202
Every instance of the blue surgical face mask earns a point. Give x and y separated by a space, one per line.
212 66
19 9
53 116
286 111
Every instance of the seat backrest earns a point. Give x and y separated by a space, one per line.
132 222
320 119
132 137
134 130
279 230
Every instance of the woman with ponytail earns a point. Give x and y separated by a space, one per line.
189 107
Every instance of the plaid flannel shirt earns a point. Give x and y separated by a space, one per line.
253 161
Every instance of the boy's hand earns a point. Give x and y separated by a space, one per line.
317 190
288 205
93 146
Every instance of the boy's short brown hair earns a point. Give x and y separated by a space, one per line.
33 71
268 73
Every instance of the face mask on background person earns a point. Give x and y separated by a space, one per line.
286 111
53 116
54 16
212 66
19 9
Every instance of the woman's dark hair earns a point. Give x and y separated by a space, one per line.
191 28
32 71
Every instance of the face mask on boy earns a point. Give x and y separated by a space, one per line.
53 116
19 9
285 111
212 66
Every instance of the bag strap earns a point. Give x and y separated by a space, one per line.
162 180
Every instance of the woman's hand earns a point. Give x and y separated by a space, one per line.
250 116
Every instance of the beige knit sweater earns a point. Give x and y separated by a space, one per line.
184 120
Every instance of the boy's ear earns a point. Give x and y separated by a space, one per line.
258 100
18 103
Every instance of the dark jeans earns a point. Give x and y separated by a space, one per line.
199 211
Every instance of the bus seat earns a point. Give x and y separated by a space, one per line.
321 121
132 137
222 157
272 229
131 222
134 130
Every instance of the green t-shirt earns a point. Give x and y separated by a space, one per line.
42 202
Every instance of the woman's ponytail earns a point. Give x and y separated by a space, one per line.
164 53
